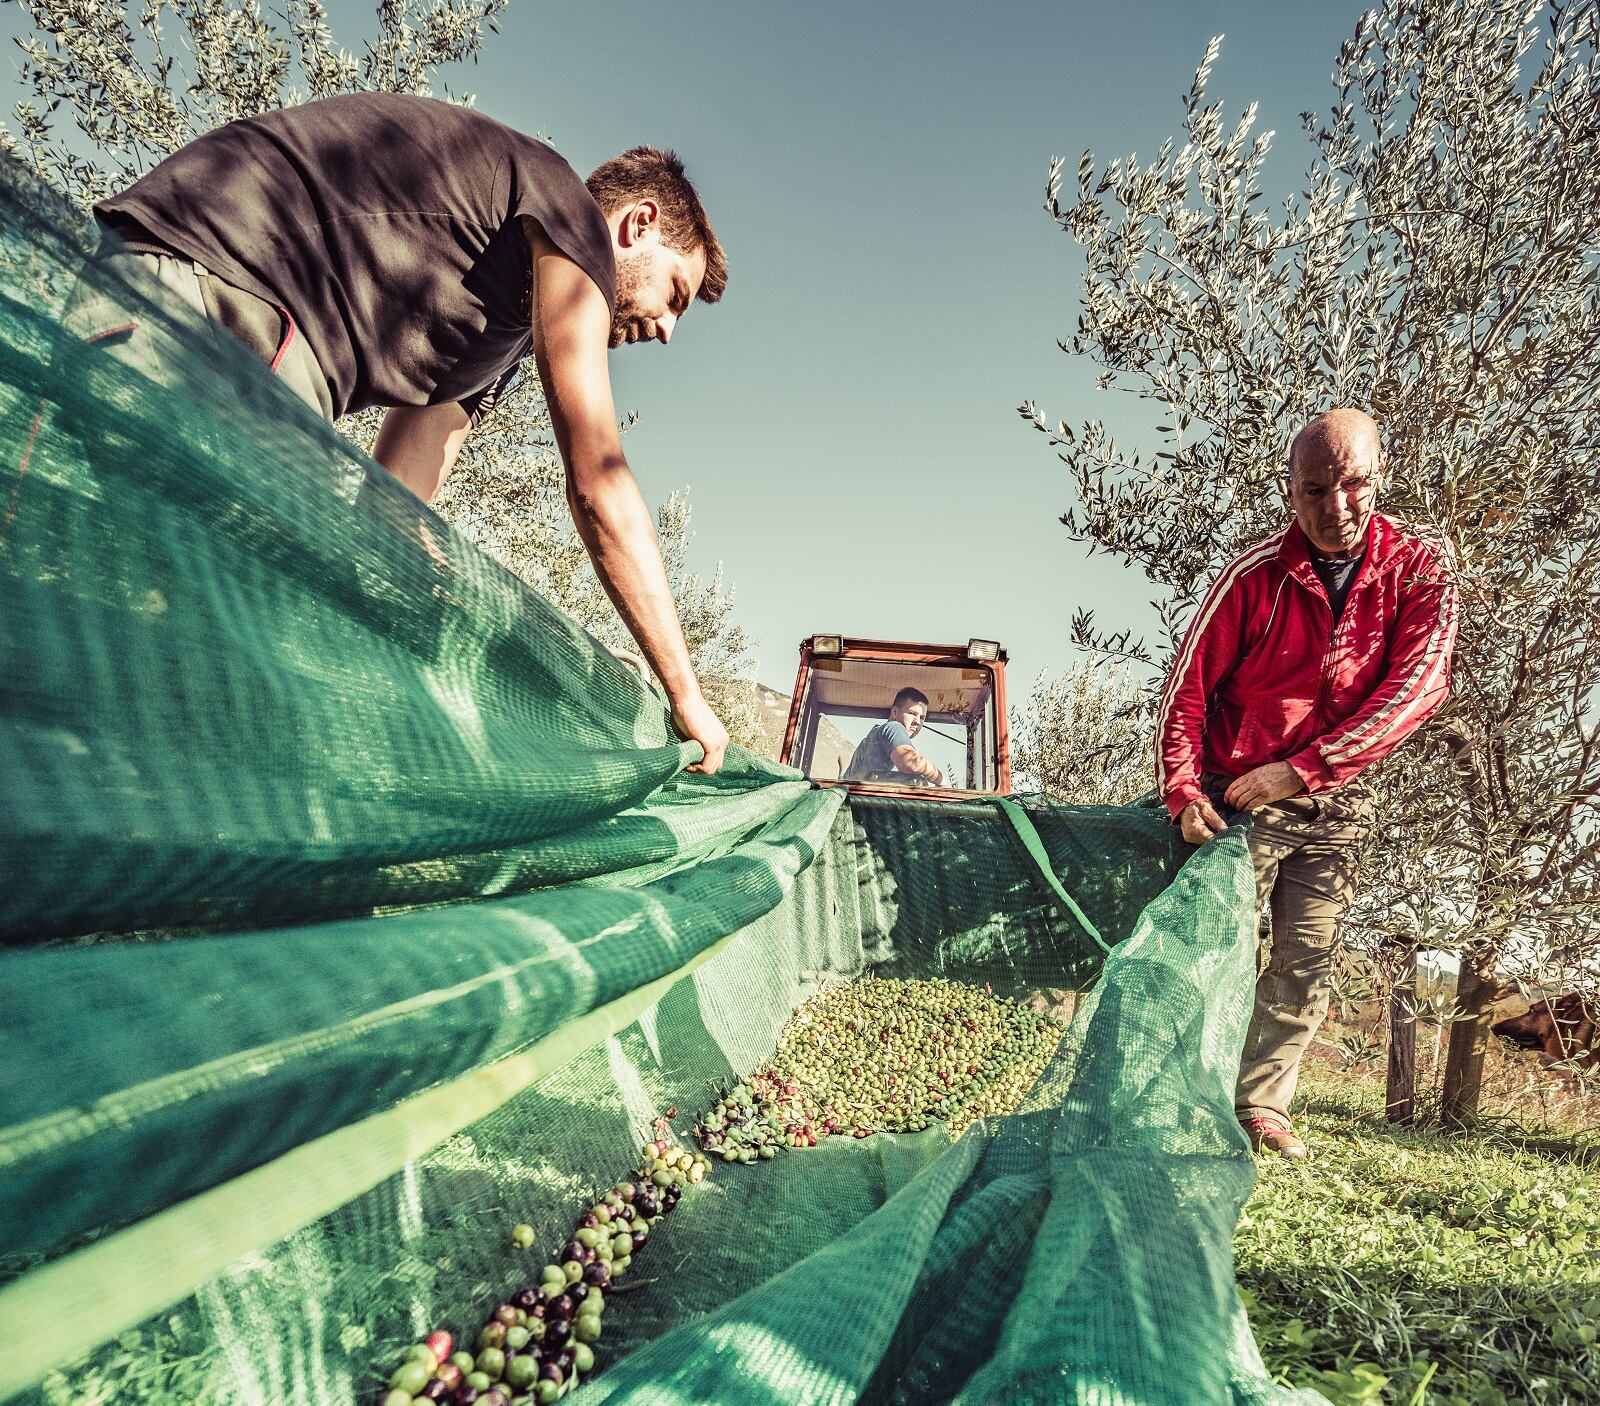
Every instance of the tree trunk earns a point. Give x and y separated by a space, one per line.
1401 1097
1469 1037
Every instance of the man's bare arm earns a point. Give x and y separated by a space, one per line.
418 444
571 336
906 758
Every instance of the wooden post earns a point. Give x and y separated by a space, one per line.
1401 1094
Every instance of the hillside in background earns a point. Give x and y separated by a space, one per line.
833 751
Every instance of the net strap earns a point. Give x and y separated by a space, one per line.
1033 848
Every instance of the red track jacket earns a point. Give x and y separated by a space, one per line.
1263 675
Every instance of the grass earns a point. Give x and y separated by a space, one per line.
1418 1266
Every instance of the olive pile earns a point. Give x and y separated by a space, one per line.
537 1345
884 1055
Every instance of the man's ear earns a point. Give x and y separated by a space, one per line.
640 219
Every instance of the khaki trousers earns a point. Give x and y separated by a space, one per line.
99 318
1306 852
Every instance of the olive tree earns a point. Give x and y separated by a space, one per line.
1439 265
114 88
508 495
1084 737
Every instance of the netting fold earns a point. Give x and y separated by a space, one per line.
355 904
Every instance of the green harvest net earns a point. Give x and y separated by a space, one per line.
356 906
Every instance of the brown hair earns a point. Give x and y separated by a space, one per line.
648 172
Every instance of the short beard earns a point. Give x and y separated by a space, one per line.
629 277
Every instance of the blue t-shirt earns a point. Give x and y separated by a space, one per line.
872 757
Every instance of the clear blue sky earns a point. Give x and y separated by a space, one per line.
846 417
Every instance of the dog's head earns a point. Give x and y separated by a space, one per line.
1560 1029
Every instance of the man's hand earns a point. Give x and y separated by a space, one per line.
695 720
1276 781
1199 821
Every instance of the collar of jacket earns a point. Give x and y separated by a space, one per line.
1294 553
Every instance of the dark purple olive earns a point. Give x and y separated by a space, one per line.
538 1310
507 1314
466 1395
638 1241
566 1359
552 1373
589 1222
580 1291
562 1308
435 1390
597 1274
648 1206
572 1251
525 1299
627 1213
558 1334
494 1397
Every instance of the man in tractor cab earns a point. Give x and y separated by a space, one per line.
1314 655
886 753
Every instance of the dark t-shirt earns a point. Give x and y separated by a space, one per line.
874 756
389 226
1337 575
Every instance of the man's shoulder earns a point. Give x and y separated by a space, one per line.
1254 561
1404 548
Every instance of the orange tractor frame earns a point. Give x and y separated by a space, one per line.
848 678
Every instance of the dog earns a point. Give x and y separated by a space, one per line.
1562 1029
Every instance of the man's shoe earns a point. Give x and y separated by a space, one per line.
1273 1135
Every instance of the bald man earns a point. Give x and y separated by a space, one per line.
1311 658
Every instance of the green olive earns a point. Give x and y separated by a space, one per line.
521 1372
516 1338
586 1328
583 1357
411 1377
479 1381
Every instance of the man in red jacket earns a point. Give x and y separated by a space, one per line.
1313 655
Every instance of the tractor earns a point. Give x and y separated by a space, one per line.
846 685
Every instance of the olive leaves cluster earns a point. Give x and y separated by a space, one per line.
1439 264
1084 736
115 86
508 494
139 80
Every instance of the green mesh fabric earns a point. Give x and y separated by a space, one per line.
355 906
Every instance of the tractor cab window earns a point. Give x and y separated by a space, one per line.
844 699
